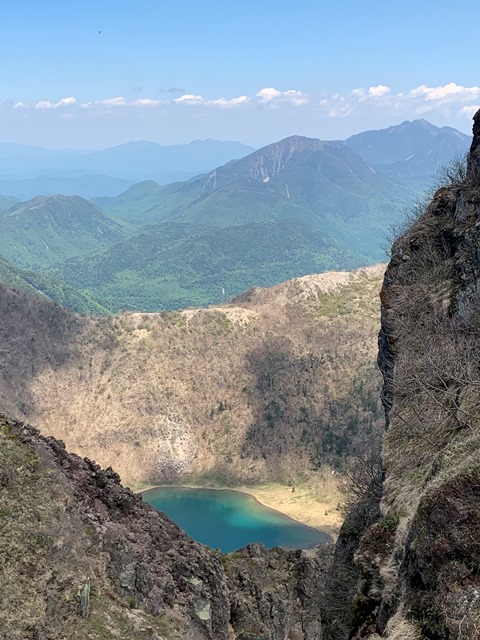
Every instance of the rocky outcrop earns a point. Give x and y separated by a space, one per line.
416 567
82 556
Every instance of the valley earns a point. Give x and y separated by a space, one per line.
294 207
222 332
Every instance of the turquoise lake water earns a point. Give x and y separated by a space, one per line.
228 520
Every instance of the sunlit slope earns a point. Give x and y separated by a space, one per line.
278 380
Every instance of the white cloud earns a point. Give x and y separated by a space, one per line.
268 94
146 102
113 102
223 103
296 98
227 104
450 92
469 111
107 102
379 91
450 100
189 98
121 102
359 94
64 102
271 96
44 104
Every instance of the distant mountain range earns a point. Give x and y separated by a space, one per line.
410 151
323 184
294 207
26 171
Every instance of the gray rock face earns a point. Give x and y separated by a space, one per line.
153 566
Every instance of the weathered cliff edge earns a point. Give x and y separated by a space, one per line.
82 557
411 546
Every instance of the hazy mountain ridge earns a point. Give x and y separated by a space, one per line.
323 184
23 168
321 203
295 152
412 151
86 186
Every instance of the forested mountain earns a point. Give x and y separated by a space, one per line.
323 184
48 229
173 265
294 207
47 287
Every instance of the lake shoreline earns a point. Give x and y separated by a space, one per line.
297 504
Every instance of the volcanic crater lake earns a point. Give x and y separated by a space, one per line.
228 520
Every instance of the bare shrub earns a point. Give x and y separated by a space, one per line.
454 173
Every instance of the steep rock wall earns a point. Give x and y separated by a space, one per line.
416 569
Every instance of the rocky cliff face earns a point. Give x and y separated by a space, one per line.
82 557
416 566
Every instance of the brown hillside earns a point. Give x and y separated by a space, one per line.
277 381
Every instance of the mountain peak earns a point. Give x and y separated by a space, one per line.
264 164
46 229
419 145
55 201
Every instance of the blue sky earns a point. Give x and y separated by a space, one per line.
177 70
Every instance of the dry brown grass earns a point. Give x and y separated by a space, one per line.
399 628
235 394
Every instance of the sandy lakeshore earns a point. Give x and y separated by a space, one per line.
301 505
